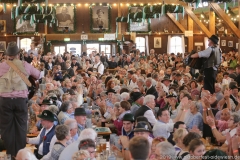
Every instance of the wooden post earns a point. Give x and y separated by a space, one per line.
45 29
119 15
190 28
211 21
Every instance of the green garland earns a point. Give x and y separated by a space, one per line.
16 1
74 23
109 20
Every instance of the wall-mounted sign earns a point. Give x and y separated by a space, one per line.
66 39
109 36
198 43
188 33
84 37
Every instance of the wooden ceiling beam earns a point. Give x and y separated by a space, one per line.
176 22
225 18
189 11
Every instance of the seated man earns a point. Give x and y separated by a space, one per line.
164 126
137 97
72 125
80 116
165 149
128 125
178 124
45 138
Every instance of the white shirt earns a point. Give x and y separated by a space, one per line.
232 133
132 85
150 116
161 129
100 68
37 139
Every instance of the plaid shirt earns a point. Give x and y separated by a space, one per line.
195 120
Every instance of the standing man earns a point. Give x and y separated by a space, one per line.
32 50
13 100
98 67
214 56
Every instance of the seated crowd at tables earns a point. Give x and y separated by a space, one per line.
155 104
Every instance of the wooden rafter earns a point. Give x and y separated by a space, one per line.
176 22
197 21
225 18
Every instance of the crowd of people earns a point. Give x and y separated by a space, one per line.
154 103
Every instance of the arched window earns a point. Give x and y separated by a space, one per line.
176 45
140 44
25 43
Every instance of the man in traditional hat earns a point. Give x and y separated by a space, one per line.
214 57
165 84
45 139
137 98
100 21
13 100
128 125
80 116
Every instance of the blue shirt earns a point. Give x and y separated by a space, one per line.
195 120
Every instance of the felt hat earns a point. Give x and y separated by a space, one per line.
136 95
128 117
48 101
171 94
110 91
12 49
80 112
166 79
47 115
214 39
143 127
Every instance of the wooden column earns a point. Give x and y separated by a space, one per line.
119 15
45 29
211 21
190 39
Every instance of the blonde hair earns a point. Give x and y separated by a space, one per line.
178 134
81 155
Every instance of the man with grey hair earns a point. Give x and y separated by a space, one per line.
67 153
150 88
133 82
147 109
165 151
125 96
72 125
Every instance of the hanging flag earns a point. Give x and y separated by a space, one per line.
116 30
38 6
163 12
183 12
176 9
4 7
176 16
